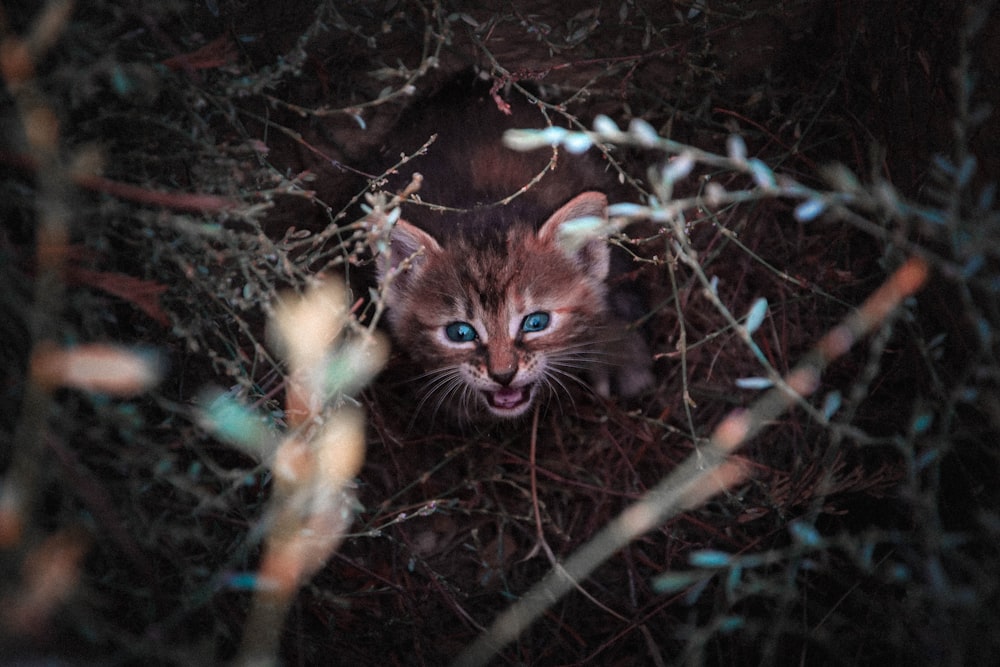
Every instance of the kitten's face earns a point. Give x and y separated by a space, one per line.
497 325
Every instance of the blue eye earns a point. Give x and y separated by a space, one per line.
535 322
460 332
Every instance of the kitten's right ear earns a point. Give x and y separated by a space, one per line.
405 243
592 255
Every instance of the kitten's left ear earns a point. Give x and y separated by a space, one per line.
588 245
405 244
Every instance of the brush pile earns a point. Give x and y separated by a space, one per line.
179 484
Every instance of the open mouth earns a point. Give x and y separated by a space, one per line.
509 402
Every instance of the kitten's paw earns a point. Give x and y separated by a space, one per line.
600 382
625 381
630 375
632 380
633 374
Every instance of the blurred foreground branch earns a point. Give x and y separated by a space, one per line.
710 470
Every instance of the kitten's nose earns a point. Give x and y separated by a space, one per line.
504 376
502 361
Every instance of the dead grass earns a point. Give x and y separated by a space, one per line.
208 156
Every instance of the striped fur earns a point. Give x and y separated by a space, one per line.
501 271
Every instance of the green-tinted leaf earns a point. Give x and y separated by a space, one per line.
577 142
524 140
805 534
677 168
831 404
672 582
627 210
644 132
756 315
606 126
809 210
709 558
762 174
736 147
233 422
754 383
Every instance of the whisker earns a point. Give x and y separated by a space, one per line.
552 379
456 385
582 360
564 369
575 364
555 369
445 389
547 381
443 383
434 372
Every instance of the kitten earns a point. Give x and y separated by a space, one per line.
489 303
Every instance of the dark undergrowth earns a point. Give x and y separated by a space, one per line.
171 171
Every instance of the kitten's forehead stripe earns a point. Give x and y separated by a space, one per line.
490 265
490 301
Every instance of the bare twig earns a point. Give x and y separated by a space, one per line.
709 470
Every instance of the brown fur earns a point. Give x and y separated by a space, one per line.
491 267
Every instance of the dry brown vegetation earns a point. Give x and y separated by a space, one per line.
170 169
